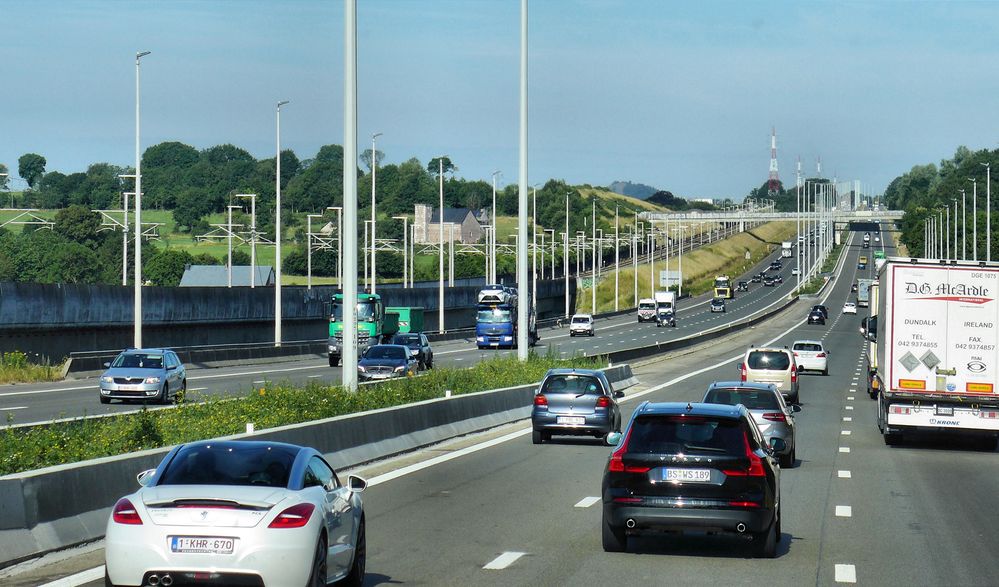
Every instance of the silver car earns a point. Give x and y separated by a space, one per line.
148 375
772 415
576 402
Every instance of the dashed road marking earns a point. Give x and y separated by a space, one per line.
11 409
196 388
259 382
849 398
844 449
847 419
846 574
844 511
845 432
503 561
849 407
844 475
587 502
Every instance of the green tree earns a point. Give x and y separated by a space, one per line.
435 165
169 154
366 158
167 267
4 177
78 224
31 168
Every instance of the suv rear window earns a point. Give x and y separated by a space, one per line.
752 399
769 360
575 384
686 434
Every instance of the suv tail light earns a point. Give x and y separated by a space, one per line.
603 402
794 373
775 417
742 372
755 464
540 400
616 464
294 517
124 513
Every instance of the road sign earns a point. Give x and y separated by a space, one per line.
669 278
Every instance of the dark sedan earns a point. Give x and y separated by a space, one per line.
419 347
816 317
385 361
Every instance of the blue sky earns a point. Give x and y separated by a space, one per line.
678 95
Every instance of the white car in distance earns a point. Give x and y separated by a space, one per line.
811 355
581 324
849 308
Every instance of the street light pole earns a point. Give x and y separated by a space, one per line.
974 218
534 246
124 239
137 291
988 211
617 258
228 229
349 372
374 167
405 251
565 255
339 244
492 243
440 243
593 267
277 232
964 226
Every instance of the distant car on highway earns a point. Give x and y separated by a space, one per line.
742 286
238 513
756 278
147 375
692 467
575 402
772 415
769 281
778 278
776 266
385 361
717 305
581 324
419 347
816 317
849 308
771 365
823 309
811 355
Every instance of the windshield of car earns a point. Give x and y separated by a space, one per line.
221 464
138 361
407 339
365 312
769 360
493 316
574 384
686 434
718 302
753 399
806 346
580 319
646 305
385 352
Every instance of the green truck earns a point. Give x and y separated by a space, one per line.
375 323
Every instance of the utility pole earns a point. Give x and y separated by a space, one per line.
617 258
349 372
374 248
522 317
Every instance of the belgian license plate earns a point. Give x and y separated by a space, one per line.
202 544
129 387
571 420
687 475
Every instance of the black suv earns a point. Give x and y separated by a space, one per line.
419 347
694 467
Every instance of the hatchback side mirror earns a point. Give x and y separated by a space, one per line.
618 394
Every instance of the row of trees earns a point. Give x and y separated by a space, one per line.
926 189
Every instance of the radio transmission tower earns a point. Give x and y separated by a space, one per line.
773 186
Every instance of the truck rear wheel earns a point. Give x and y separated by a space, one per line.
334 361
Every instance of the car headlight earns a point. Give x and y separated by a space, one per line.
107 379
152 380
400 368
507 338
360 368
480 339
414 352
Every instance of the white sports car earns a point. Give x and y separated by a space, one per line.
238 512
849 308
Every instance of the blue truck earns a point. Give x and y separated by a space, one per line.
496 318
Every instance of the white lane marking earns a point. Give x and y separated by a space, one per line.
587 502
80 578
846 574
849 398
503 561
856 378
849 407
13 393
259 382
11 409
314 376
854 384
196 388
844 475
847 419
844 511
844 449
459 359
845 433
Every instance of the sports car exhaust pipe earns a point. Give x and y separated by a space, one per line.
630 523
740 528
166 581
154 579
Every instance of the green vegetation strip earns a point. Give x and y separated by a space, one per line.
275 405
15 368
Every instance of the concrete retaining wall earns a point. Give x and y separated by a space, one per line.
60 506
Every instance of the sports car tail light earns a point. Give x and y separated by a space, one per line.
124 513
775 417
755 464
744 504
603 402
294 517
540 400
820 356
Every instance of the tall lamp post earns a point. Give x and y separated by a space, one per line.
277 232
617 258
374 166
988 211
308 236
593 268
964 225
349 373
405 251
974 218
492 243
137 292
440 243
565 255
